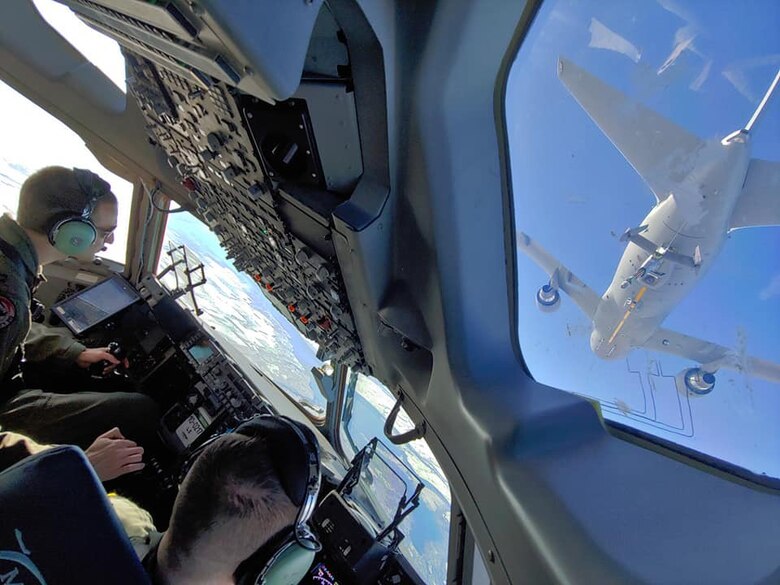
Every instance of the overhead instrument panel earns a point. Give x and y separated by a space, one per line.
264 175
213 39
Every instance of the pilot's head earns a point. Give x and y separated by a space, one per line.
53 195
229 504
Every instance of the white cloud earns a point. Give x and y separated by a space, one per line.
702 77
677 10
737 74
683 40
770 290
739 80
602 37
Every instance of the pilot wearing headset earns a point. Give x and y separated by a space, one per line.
243 508
62 212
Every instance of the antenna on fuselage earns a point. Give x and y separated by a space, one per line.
762 104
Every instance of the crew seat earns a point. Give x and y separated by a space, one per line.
57 526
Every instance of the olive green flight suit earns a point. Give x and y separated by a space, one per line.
76 418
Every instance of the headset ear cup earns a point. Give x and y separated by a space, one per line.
288 566
72 237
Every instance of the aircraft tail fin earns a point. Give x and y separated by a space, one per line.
759 203
657 148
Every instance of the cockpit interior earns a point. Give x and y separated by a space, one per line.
325 221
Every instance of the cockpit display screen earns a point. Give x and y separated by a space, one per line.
321 575
95 304
201 352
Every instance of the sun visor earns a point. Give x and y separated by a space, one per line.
257 46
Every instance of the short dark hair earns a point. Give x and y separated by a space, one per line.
233 479
53 191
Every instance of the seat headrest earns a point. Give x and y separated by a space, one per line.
57 525
289 455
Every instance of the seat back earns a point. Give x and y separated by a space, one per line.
57 526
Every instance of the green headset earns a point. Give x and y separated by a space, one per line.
287 557
71 233
294 550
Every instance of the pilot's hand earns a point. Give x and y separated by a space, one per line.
96 355
111 455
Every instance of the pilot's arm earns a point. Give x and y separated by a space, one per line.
51 343
57 344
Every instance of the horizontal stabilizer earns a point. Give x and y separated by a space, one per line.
711 355
759 203
585 298
689 261
634 236
658 149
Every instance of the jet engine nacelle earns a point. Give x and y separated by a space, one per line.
548 299
698 382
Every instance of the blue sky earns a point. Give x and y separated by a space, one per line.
703 66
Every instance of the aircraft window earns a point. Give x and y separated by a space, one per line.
101 51
33 139
628 173
242 317
427 528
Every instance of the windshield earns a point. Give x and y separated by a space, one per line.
101 51
647 239
27 153
244 320
426 544
27 124
236 310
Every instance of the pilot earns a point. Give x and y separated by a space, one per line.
230 503
53 201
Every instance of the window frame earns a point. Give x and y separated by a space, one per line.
343 430
701 461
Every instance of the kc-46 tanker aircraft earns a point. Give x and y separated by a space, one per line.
331 228
703 190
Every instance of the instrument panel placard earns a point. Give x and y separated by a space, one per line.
190 430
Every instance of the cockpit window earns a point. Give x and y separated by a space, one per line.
241 316
644 144
101 51
34 139
367 406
